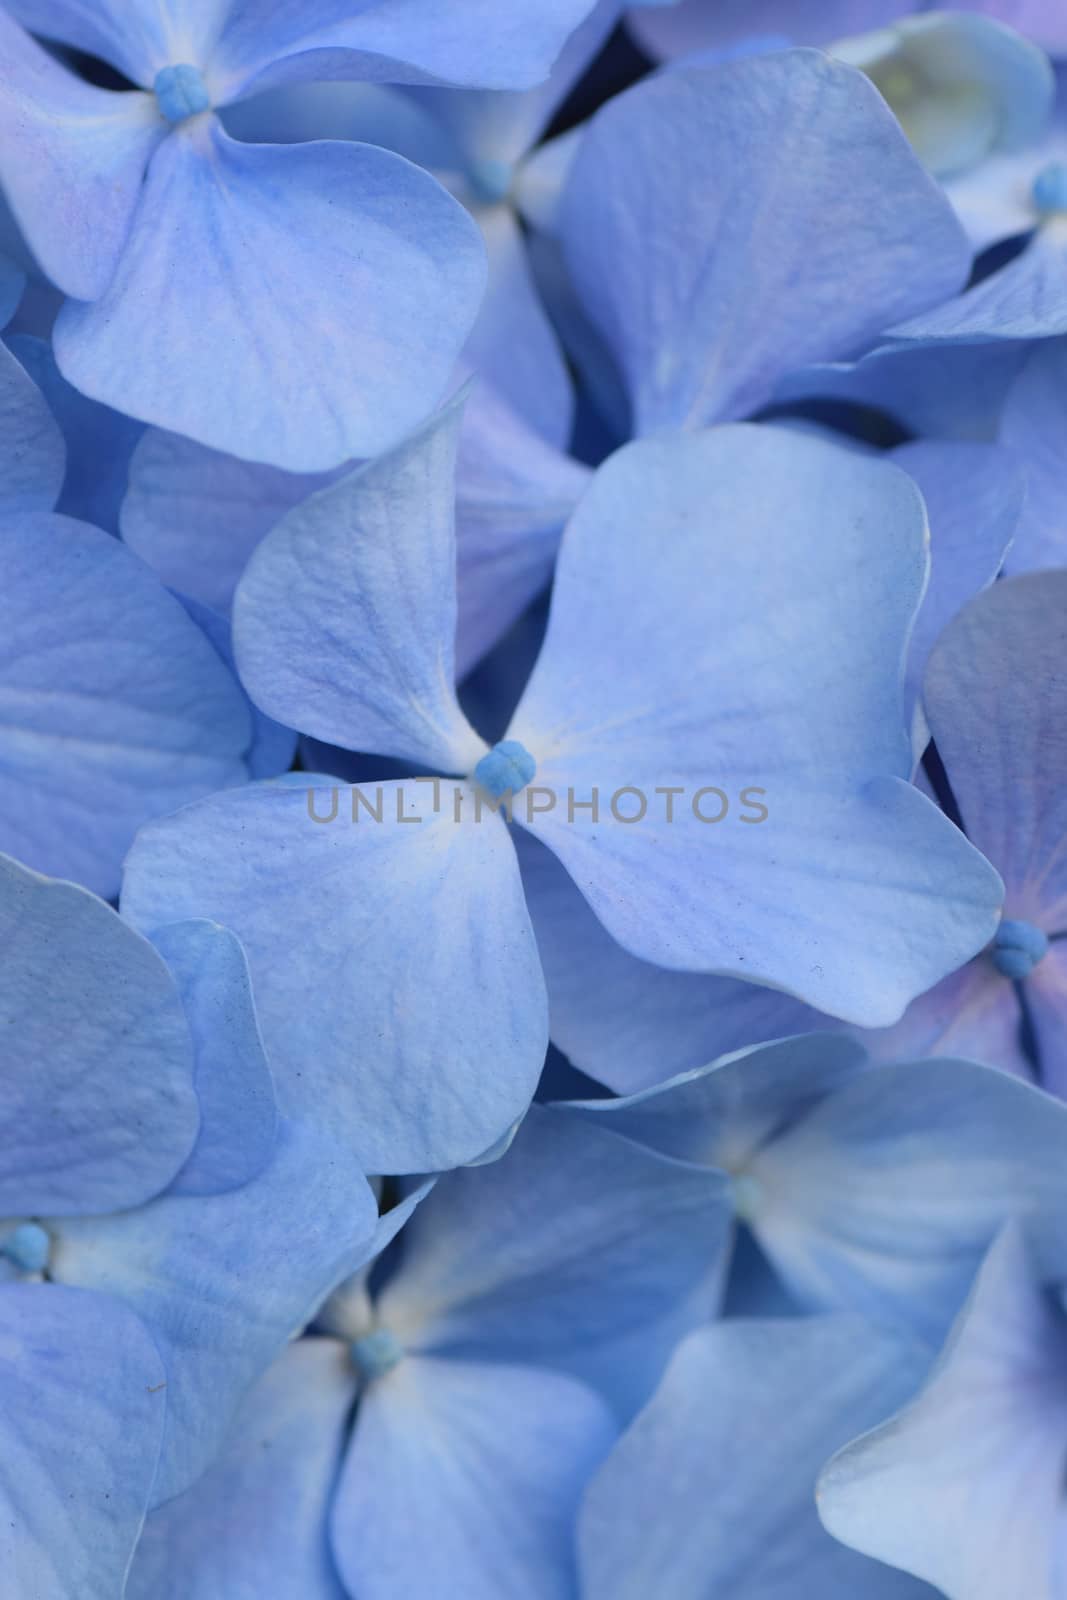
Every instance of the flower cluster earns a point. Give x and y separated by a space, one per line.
533 800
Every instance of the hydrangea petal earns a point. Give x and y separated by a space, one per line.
964 1487
114 706
737 1514
33 456
1002 735
82 1398
952 391
98 1074
626 1022
1032 424
233 1078
933 1156
514 493
72 158
256 1522
205 1275
476 44
975 495
1027 299
416 1074
462 1477
700 542
345 620
375 278
196 515
758 277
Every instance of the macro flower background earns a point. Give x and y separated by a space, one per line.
533 800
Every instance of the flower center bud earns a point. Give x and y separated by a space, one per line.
27 1247
181 93
1049 189
1017 949
507 769
375 1354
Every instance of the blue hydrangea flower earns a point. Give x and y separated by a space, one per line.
114 706
577 1257
875 1191
345 625
351 278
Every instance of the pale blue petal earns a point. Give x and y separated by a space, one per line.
513 344
33 456
698 542
974 496
577 1250
97 1090
72 158
256 1523
462 1478
514 493
728 1453
345 619
1002 735
224 1282
964 1487
933 1158
1027 299
82 1398
196 515
475 44
953 391
233 1077
114 707
625 1022
1042 20
820 230
375 276
99 441
721 1115
1032 425
633 1025
416 1075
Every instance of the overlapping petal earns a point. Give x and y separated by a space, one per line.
725 681
393 963
297 305
114 706
754 276
97 1089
